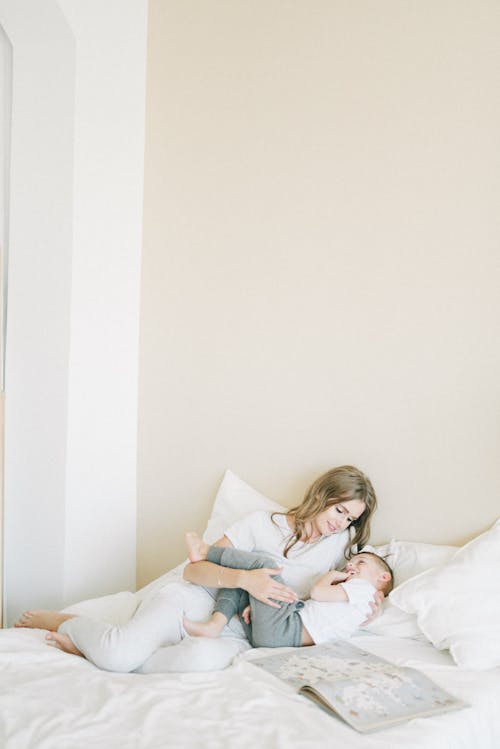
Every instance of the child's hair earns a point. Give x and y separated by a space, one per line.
332 488
384 567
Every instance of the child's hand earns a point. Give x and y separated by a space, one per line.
246 615
332 577
337 576
376 607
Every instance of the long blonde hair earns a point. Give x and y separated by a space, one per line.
333 487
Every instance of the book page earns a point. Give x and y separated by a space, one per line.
384 699
365 690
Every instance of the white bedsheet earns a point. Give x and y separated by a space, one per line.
50 700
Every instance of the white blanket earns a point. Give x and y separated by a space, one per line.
51 700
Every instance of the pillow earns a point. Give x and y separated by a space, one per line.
234 499
458 605
409 558
406 559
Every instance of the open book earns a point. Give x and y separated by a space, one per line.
368 692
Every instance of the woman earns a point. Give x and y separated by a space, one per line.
330 524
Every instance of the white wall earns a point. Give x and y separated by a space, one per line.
76 216
321 270
100 529
39 301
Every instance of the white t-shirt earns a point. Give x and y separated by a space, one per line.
305 562
332 620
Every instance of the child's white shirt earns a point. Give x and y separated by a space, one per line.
305 562
332 620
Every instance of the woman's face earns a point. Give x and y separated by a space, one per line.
337 518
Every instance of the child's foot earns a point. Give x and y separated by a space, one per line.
63 642
212 628
197 548
40 619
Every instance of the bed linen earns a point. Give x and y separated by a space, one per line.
51 700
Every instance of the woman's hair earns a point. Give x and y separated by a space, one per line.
334 487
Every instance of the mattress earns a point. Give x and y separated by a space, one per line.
52 700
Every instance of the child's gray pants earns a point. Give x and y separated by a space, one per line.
269 627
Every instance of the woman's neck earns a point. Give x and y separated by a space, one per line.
308 534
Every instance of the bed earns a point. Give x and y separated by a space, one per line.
51 700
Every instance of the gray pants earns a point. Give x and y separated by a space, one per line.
269 627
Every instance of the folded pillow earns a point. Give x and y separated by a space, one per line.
458 605
234 499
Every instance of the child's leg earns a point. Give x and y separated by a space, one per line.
269 627
230 601
211 628
196 547
274 628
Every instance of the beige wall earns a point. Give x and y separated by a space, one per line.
321 260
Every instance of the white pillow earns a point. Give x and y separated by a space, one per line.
406 559
458 605
410 558
234 499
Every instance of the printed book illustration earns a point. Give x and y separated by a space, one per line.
366 691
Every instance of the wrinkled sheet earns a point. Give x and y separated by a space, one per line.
51 700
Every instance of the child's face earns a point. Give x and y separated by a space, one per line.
365 567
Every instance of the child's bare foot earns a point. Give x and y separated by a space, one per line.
63 642
40 619
197 548
211 628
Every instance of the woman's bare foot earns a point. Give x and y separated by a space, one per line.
211 628
197 548
40 619
63 642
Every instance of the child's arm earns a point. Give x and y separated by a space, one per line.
327 588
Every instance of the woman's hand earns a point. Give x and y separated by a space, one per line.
261 585
376 607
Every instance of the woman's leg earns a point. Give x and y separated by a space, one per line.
194 654
42 619
157 622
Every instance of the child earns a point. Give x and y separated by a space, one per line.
339 603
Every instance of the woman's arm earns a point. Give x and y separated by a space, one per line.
258 583
327 588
